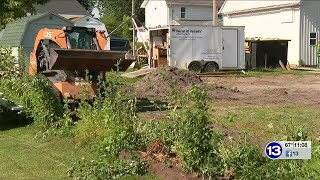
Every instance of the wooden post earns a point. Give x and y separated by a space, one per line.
134 30
214 8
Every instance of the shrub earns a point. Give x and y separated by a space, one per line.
110 122
8 65
36 96
32 92
194 136
187 133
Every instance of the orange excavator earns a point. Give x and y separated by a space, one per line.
66 56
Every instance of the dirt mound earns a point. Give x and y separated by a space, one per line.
160 83
157 151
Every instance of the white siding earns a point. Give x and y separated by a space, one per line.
232 5
156 13
192 12
90 23
271 24
310 22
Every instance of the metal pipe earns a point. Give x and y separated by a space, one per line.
136 26
134 30
214 8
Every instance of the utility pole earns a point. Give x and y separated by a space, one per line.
134 29
214 8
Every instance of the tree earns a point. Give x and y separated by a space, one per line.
88 4
13 9
123 7
117 11
111 23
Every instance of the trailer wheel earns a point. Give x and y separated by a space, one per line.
195 66
211 67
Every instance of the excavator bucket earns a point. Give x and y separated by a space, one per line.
92 60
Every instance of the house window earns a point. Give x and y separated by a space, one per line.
313 39
183 12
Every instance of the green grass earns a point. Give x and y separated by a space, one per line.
23 157
273 72
266 123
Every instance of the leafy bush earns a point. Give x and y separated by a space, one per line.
8 64
110 121
187 133
193 143
36 96
32 92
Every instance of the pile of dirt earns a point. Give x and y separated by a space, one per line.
157 151
160 83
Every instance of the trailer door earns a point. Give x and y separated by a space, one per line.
229 48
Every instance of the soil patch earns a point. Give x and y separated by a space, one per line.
160 83
157 151
269 90
173 173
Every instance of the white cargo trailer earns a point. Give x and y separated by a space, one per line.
188 47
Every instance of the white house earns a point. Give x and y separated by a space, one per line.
295 20
162 13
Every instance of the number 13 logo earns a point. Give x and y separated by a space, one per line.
273 150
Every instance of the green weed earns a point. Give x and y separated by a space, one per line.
106 169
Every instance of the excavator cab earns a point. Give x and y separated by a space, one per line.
82 38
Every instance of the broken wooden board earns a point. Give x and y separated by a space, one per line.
288 67
138 73
282 65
